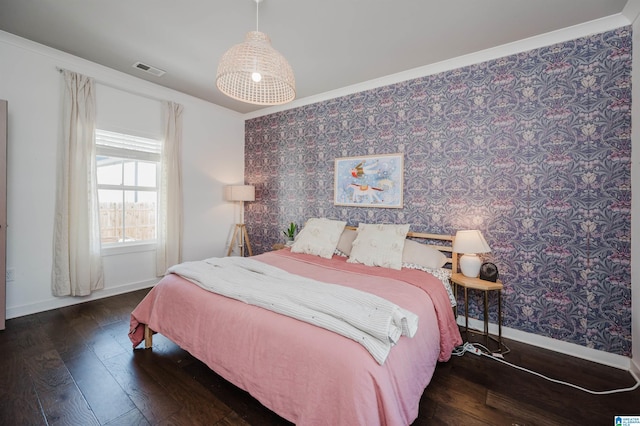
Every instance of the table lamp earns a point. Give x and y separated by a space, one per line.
470 243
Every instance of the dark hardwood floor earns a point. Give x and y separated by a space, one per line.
75 366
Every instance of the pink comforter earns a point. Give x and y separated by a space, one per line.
306 374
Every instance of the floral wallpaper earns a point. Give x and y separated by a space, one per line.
533 149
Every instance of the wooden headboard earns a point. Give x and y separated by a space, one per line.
446 247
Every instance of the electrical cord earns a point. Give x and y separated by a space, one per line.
461 350
480 350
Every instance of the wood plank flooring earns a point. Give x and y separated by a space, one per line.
75 366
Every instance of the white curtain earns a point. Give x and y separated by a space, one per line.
169 249
77 264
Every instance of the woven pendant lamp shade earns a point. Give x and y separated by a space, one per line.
256 55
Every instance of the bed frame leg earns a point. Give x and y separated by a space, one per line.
148 337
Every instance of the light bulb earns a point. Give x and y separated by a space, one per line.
256 76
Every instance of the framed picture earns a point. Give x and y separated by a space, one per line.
369 181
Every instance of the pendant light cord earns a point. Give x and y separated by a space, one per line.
257 13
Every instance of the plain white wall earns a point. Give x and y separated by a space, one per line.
213 156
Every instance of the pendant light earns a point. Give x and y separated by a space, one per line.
256 73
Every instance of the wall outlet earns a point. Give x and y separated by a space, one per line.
11 274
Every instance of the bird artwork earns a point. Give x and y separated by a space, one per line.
361 169
369 181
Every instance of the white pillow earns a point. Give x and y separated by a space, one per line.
319 237
379 245
346 241
422 255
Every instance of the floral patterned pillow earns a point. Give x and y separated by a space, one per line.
379 245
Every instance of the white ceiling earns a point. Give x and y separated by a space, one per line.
330 44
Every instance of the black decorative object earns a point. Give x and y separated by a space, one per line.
489 272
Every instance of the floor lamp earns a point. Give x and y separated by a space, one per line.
240 237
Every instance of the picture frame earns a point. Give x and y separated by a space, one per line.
369 181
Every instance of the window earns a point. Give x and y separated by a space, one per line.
128 169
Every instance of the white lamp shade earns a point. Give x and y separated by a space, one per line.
256 73
240 193
469 242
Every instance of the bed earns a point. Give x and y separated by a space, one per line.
307 374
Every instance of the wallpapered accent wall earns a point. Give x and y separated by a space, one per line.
533 149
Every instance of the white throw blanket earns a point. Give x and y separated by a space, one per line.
370 320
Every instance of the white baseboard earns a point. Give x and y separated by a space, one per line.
601 357
61 302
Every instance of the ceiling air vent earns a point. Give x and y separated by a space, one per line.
148 68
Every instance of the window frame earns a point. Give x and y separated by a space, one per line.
151 151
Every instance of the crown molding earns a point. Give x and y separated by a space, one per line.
535 42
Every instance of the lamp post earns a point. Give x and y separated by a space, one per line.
240 193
